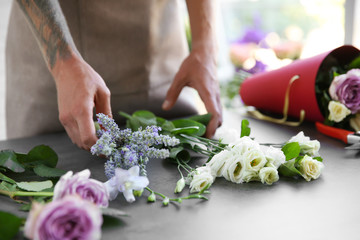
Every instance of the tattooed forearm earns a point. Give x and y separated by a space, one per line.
49 25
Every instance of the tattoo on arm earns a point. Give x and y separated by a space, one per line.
49 25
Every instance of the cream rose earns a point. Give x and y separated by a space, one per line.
310 168
355 122
310 147
338 111
268 175
201 178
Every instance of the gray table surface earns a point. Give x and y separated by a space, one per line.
327 208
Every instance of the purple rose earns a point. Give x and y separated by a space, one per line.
82 185
69 218
345 88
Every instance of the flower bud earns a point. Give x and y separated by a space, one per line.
152 197
165 201
180 185
138 193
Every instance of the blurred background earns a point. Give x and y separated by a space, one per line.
255 36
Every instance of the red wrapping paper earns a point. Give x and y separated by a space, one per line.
266 91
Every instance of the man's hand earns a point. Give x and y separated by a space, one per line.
79 90
199 72
199 69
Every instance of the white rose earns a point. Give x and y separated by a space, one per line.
254 159
268 175
338 111
275 156
310 168
243 145
217 162
355 122
307 146
227 135
201 179
234 168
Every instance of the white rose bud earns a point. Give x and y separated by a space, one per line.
244 144
310 147
310 168
275 156
227 135
268 175
201 179
180 185
338 111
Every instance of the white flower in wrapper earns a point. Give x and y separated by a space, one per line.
355 122
227 135
268 175
310 147
217 162
201 179
310 168
338 111
274 156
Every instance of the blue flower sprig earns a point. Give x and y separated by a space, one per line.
126 148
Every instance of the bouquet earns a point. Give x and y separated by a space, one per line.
338 92
305 89
73 205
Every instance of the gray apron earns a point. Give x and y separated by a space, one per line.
136 46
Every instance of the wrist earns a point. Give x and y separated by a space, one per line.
72 61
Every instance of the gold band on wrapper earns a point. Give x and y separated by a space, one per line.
283 121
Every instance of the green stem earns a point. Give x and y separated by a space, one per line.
26 194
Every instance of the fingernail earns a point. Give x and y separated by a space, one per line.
166 104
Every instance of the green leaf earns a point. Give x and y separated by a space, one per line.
10 225
167 126
320 159
291 150
145 118
45 171
6 179
245 130
185 130
182 123
204 118
125 115
8 187
8 160
288 169
42 154
355 63
35 186
180 153
144 114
